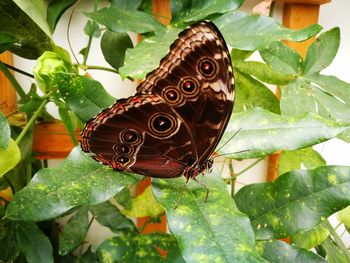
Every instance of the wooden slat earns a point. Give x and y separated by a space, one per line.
297 14
52 141
8 100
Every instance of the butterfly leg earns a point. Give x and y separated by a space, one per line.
203 185
179 198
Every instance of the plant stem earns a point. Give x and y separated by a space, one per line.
31 121
233 177
91 35
103 68
337 239
13 81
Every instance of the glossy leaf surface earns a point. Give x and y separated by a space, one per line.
85 97
295 201
206 232
277 251
77 181
33 243
260 132
5 132
74 231
9 158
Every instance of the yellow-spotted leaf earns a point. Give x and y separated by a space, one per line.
295 201
144 205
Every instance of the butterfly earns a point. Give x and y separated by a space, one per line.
172 125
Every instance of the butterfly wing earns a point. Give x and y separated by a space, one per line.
141 134
196 80
177 117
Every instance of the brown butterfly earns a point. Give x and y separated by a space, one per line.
172 125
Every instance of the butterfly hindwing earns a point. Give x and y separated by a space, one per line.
133 136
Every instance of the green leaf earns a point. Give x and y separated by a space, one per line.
263 72
6 41
252 32
240 55
344 216
85 97
276 251
128 5
206 232
148 54
31 40
322 52
252 93
77 181
74 231
190 11
9 250
295 201
144 205
260 132
110 216
139 248
114 46
67 119
123 198
5 132
292 160
55 11
36 10
310 238
35 246
124 20
334 254
336 91
282 58
314 96
92 29
9 158
88 257
297 98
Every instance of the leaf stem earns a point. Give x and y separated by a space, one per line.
13 81
31 121
337 239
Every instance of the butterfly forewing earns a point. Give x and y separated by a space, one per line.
174 122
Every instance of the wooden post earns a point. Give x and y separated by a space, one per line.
8 100
297 14
162 12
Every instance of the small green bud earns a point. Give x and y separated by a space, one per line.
49 64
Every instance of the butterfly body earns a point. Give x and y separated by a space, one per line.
172 125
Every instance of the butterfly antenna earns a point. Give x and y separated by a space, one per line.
234 135
219 155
